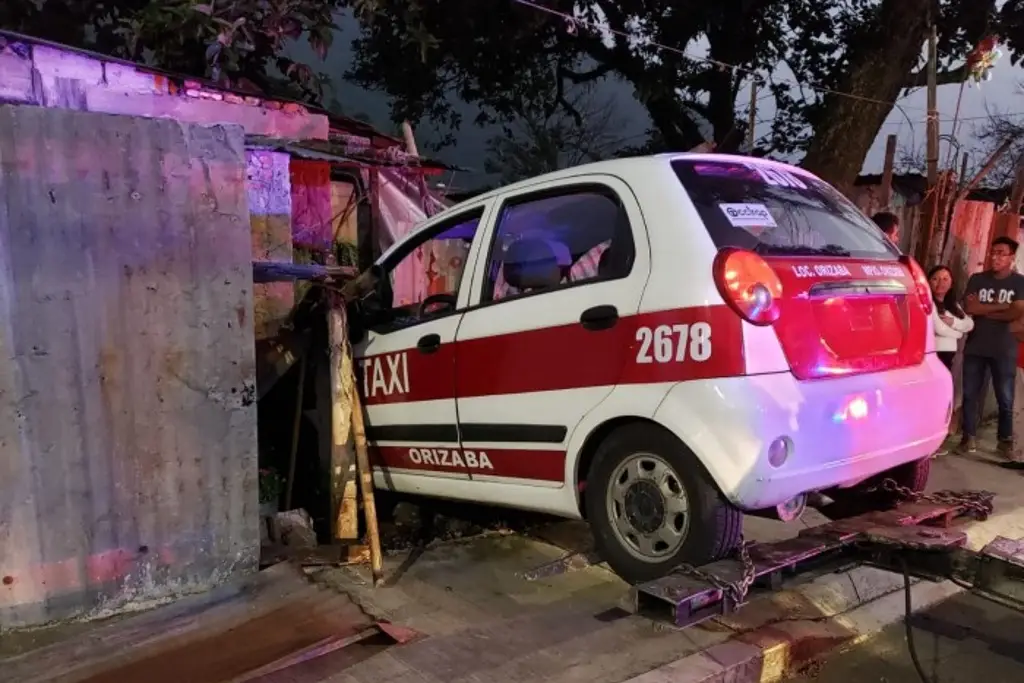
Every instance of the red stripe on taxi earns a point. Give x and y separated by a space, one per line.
544 465
664 346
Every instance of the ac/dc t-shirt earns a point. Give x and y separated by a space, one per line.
992 338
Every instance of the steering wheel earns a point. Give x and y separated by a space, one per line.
448 300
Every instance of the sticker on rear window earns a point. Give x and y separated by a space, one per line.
748 215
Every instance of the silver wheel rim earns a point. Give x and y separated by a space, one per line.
648 507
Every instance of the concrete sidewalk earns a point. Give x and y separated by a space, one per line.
483 623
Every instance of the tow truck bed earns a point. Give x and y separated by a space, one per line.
915 538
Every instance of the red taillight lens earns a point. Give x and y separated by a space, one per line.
749 285
924 290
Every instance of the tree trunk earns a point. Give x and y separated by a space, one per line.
679 132
880 61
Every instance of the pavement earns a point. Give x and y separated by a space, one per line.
482 622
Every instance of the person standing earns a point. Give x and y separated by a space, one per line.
948 319
890 225
995 299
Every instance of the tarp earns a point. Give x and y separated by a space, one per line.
405 202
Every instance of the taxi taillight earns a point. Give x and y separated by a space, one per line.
749 285
924 290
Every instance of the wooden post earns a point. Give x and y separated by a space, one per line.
890 161
1017 193
344 503
410 139
293 454
366 487
752 117
1003 148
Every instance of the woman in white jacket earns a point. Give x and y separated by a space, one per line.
948 318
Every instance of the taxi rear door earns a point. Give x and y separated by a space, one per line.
531 364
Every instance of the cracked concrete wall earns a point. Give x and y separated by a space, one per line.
127 375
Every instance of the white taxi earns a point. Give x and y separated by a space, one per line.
657 345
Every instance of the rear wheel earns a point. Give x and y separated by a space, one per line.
869 495
652 505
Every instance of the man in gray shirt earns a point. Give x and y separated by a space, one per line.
995 298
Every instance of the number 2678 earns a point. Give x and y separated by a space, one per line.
674 343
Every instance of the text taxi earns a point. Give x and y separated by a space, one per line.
656 345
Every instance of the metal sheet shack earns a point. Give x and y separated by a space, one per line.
132 205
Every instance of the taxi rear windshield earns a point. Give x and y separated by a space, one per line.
771 210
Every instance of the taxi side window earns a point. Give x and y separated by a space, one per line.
553 240
423 280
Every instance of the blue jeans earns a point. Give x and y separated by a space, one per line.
1004 375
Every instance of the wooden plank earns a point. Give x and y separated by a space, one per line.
278 271
346 521
366 488
887 169
318 649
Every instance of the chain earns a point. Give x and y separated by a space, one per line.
975 501
736 590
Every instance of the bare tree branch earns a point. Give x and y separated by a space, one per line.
583 129
919 79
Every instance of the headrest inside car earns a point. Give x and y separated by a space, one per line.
531 264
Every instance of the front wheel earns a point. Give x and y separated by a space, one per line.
652 506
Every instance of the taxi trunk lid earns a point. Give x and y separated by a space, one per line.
848 316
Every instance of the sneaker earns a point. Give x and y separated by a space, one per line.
1005 449
967 445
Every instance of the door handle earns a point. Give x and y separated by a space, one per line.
599 318
429 343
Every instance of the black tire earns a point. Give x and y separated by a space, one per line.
714 526
860 499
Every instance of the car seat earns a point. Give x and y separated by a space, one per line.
531 265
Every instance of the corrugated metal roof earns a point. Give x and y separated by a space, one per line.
338 152
343 123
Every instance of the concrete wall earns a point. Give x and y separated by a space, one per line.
127 416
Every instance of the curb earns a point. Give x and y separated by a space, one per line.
818 619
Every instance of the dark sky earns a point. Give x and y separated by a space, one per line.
470 149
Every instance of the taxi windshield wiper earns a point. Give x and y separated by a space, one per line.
801 250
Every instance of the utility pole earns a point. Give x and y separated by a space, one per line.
933 108
752 116
932 204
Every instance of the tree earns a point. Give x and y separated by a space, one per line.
500 52
509 54
542 140
240 44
